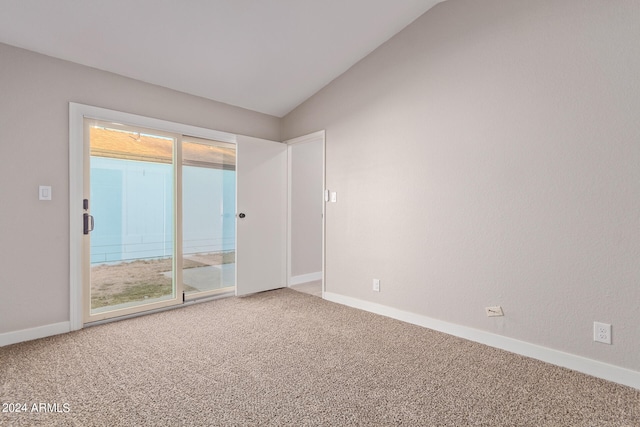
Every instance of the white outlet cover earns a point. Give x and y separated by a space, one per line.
376 285
494 311
602 332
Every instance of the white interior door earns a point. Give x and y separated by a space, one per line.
261 245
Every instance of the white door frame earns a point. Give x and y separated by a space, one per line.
77 114
312 137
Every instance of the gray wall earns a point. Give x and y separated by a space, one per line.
35 92
489 154
306 207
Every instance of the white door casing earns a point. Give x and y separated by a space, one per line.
316 139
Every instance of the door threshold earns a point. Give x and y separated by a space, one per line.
159 310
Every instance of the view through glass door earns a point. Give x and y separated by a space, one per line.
208 217
161 219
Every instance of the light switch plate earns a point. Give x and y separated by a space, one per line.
44 192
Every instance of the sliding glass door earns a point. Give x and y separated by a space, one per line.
208 217
159 219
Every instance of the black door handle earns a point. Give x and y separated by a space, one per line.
88 223
241 215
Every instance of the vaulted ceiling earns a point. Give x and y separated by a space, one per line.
263 55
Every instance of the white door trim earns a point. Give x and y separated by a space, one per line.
77 113
312 137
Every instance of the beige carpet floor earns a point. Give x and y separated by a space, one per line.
312 288
285 358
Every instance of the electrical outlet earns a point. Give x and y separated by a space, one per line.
602 332
376 285
494 311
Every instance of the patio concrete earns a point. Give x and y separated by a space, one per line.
210 277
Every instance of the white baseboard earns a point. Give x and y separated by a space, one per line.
304 278
34 333
577 363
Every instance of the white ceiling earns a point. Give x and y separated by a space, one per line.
264 55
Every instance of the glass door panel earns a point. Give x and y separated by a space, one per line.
208 217
132 203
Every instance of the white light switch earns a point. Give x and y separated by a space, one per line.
334 197
45 192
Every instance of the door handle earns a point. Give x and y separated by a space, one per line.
241 215
88 223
